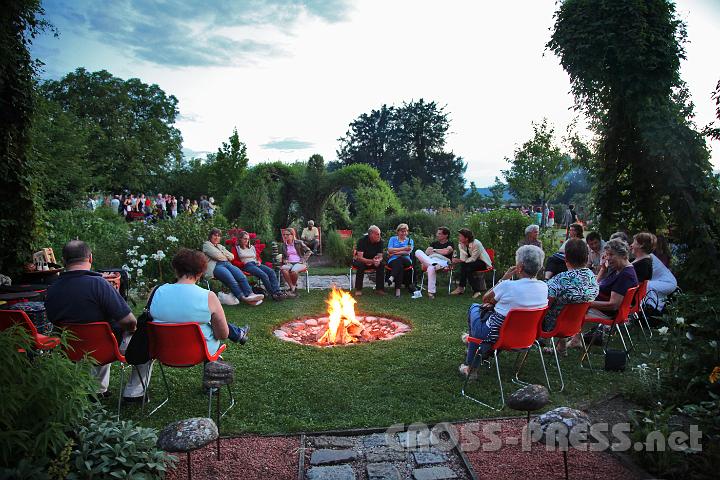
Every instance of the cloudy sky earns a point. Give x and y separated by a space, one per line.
291 75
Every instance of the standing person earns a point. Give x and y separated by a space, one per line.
82 296
115 204
369 255
546 212
219 267
180 205
311 236
400 248
551 218
160 202
173 206
473 257
204 205
294 257
248 256
437 256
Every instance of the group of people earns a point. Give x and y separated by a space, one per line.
159 207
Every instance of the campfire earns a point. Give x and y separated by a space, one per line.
341 326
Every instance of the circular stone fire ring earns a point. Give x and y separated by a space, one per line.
309 330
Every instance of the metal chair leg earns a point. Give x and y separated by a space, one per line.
542 361
120 391
557 363
167 391
463 391
502 392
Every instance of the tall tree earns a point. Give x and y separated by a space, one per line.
227 167
136 141
416 196
20 22
538 167
652 167
497 191
473 199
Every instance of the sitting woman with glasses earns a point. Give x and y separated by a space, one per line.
248 256
294 259
219 267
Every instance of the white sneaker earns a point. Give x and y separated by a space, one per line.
228 298
464 337
463 369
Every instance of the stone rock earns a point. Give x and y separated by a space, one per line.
217 374
417 439
375 440
327 441
337 472
382 471
429 458
329 457
385 455
187 435
433 473
312 322
323 320
371 319
298 325
558 424
280 333
531 397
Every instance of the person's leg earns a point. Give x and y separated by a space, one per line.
223 274
138 381
314 246
432 275
359 275
408 275
423 258
396 267
476 282
285 270
241 279
102 374
269 281
380 277
296 270
274 285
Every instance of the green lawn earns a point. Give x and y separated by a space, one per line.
283 387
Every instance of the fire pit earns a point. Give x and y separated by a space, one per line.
341 326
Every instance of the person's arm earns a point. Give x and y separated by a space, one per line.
228 254
128 323
489 297
392 247
612 304
218 323
474 253
213 252
306 252
444 251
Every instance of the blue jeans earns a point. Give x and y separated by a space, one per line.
265 274
477 328
233 278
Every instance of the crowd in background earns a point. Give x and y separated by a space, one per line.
161 206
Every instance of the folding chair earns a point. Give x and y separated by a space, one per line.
491 268
97 341
353 268
181 345
518 332
568 324
637 313
448 269
409 268
621 318
41 342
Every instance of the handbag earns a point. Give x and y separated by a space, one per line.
615 360
138 349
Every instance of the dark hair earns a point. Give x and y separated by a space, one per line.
622 236
213 232
662 249
467 233
189 263
593 236
578 229
646 241
445 230
75 251
576 252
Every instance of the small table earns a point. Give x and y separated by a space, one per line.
43 276
17 296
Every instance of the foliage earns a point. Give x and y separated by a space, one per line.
651 167
337 212
338 248
103 230
227 167
497 190
473 200
713 131
500 230
134 141
415 196
20 23
538 168
109 448
404 142
44 397
420 223
371 205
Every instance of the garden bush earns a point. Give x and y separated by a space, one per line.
338 248
500 230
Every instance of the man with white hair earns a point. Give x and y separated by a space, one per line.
369 255
311 236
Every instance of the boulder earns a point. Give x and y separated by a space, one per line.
561 426
187 435
529 398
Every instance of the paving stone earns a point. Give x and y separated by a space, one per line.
433 473
385 455
417 439
336 472
375 440
327 441
382 471
328 457
428 458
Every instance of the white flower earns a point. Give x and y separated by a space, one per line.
139 271
663 330
141 239
143 256
158 256
713 343
131 253
142 263
171 238
680 320
690 336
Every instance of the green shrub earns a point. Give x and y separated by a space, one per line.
338 248
500 230
420 223
43 399
372 204
109 448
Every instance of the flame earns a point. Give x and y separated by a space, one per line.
342 325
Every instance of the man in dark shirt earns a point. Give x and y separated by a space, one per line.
369 255
83 296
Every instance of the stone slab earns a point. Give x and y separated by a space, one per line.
328 457
429 458
336 472
375 440
327 441
433 473
385 455
416 439
382 471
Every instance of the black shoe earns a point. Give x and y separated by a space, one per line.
278 297
238 334
96 397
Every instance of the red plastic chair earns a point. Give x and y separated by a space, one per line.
353 268
181 345
491 268
637 312
621 318
518 332
9 318
96 340
568 324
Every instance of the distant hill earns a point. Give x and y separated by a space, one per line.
485 192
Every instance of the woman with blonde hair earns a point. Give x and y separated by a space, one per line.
400 248
294 257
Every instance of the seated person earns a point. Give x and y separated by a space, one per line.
438 256
484 321
531 236
294 259
662 250
576 285
369 255
248 256
400 248
556 263
642 246
662 284
472 258
311 236
219 267
80 295
595 245
185 302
